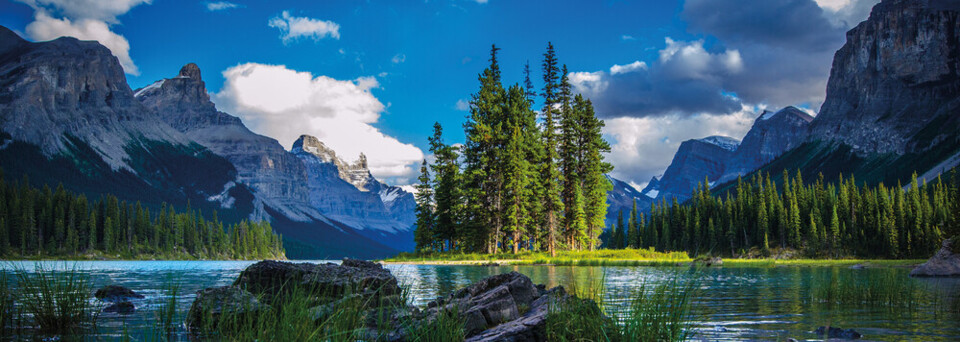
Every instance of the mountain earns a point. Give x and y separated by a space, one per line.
348 193
772 134
695 160
893 99
275 175
621 198
68 116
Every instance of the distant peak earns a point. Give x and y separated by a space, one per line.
9 39
306 140
190 70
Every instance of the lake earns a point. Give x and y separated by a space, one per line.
767 303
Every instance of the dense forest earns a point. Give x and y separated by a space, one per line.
818 219
44 223
522 180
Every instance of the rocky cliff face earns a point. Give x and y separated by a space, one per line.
68 87
772 134
276 176
894 85
349 193
621 199
696 159
68 116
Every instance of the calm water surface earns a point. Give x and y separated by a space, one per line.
731 303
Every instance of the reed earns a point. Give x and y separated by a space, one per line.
56 301
652 313
888 290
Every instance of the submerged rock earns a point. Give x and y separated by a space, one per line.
123 308
832 332
116 294
945 263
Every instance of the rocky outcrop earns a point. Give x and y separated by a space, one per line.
894 85
946 263
695 161
270 278
505 307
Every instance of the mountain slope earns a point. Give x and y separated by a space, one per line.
893 99
696 160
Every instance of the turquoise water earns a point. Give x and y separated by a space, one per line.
730 303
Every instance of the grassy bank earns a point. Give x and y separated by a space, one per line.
623 257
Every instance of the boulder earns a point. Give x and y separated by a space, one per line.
831 332
123 308
530 326
213 302
116 294
272 278
945 263
508 303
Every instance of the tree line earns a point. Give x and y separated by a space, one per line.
522 180
818 219
58 223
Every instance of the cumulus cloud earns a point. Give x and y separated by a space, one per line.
462 105
85 20
220 6
293 28
685 80
643 147
398 58
284 103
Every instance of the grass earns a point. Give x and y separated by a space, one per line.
625 257
652 313
876 289
55 302
166 311
302 314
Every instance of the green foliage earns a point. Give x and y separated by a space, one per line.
55 301
515 184
820 219
43 223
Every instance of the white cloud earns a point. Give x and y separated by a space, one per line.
84 20
833 5
622 69
284 103
221 6
644 147
398 58
102 10
293 28
627 37
462 105
689 60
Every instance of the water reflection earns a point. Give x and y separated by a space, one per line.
731 304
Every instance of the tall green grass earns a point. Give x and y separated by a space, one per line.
7 310
890 290
56 302
652 313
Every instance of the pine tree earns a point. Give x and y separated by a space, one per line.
446 185
550 174
425 235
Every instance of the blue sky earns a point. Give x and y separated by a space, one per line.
386 70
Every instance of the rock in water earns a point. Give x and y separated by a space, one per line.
123 308
116 294
211 303
831 332
266 278
945 263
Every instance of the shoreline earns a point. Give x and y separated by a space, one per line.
867 263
